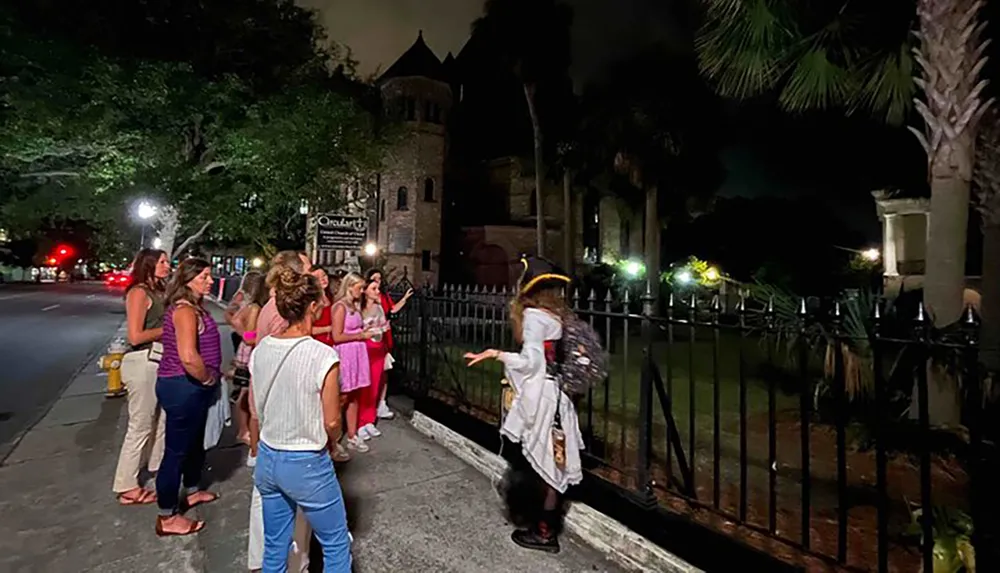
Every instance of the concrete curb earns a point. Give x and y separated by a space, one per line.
619 543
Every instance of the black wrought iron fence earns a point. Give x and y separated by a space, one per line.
825 429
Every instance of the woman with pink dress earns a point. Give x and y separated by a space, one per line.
349 336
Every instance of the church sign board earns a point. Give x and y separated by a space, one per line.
341 232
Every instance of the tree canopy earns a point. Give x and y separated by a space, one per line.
87 130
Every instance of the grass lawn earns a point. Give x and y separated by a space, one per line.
687 369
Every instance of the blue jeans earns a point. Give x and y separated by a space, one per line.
185 403
287 480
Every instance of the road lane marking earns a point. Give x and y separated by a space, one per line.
10 296
50 307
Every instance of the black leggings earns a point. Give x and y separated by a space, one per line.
524 493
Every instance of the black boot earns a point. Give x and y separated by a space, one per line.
542 537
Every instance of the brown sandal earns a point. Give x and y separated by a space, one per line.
144 497
186 503
193 527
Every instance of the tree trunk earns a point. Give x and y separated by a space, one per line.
944 280
950 57
989 349
170 223
567 229
652 241
188 241
536 128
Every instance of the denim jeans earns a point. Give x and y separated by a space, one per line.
290 479
185 403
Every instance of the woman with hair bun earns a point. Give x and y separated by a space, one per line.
295 409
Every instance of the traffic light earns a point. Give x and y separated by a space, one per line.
52 260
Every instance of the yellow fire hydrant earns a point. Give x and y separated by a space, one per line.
112 364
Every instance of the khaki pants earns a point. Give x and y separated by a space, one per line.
146 422
298 557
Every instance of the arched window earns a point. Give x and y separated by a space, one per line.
533 207
402 199
429 189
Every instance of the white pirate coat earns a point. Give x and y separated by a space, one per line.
537 398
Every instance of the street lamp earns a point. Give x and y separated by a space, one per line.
371 249
145 211
157 243
257 262
871 254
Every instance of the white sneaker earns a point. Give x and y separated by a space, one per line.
363 433
251 461
384 412
372 432
357 444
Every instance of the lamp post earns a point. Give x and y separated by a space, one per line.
145 211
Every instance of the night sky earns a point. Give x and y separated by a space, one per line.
766 153
378 31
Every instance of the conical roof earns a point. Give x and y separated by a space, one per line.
419 60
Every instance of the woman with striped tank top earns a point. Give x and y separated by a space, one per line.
185 388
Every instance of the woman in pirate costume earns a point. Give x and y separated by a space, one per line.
540 417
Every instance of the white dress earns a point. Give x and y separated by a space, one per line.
533 411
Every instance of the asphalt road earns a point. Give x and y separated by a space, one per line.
47 332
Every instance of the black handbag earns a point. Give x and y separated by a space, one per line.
241 377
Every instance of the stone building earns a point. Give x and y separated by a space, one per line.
456 197
416 92
905 225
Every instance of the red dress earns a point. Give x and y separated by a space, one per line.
387 305
325 319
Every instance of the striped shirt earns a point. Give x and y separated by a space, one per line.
209 345
291 414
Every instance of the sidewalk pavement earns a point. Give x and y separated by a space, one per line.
412 505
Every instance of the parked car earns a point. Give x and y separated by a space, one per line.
117 279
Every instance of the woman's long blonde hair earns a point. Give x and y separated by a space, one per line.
548 298
345 285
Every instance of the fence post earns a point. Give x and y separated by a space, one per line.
647 498
425 293
982 459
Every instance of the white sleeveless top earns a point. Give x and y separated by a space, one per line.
293 413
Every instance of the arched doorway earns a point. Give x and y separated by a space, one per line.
491 265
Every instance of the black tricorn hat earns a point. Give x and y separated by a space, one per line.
540 272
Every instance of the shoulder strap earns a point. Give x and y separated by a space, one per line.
274 378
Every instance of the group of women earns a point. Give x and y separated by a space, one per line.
306 359
325 346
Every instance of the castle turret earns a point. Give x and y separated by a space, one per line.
415 91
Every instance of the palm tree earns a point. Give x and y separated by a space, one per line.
860 56
533 38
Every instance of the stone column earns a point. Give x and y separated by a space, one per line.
889 245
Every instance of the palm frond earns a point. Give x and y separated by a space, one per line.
743 47
888 88
816 82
